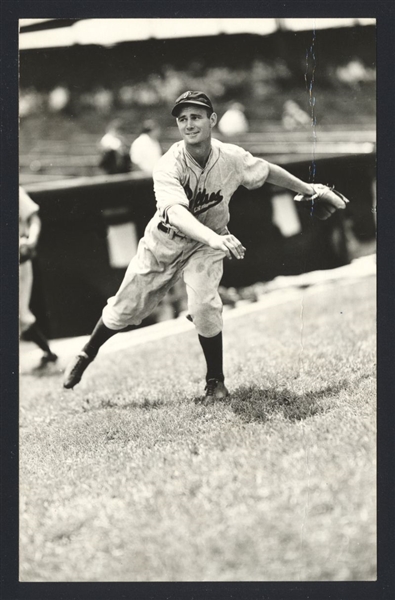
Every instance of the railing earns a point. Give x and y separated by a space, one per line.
49 160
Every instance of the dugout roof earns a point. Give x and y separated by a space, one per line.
55 33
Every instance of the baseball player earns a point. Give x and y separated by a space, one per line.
146 150
29 232
188 235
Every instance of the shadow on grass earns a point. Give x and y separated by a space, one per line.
93 403
144 404
253 403
37 373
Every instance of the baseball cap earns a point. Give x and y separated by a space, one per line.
198 98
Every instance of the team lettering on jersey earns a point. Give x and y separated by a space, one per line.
203 200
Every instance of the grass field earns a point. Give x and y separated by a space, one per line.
130 478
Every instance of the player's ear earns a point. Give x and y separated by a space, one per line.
213 119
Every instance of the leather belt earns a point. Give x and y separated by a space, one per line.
170 232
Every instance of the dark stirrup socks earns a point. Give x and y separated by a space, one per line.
212 350
99 336
34 334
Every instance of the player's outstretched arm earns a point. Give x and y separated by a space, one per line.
281 177
321 200
180 217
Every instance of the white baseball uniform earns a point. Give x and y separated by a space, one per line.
27 208
162 257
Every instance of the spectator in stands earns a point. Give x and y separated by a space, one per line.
293 116
59 99
145 151
103 100
234 121
114 149
29 232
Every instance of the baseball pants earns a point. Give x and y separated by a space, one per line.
26 317
160 261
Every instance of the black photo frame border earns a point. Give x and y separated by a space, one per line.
384 587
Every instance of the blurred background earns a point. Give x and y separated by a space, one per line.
297 92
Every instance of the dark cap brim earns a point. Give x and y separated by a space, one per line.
195 102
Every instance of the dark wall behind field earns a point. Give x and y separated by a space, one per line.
74 276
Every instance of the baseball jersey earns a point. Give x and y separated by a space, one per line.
27 208
206 191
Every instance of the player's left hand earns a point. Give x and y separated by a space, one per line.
236 248
229 244
324 202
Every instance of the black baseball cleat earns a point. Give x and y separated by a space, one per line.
215 390
75 370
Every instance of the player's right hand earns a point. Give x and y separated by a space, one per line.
229 244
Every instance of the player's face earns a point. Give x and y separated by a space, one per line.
195 125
